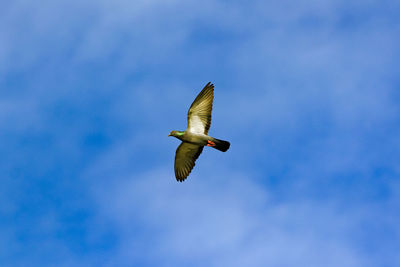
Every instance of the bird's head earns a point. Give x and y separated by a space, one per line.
176 133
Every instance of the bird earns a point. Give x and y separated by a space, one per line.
196 137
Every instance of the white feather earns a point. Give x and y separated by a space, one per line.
196 126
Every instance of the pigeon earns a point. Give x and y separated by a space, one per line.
196 137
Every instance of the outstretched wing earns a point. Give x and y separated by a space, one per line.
199 114
186 155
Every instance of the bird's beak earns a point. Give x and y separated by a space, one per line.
169 135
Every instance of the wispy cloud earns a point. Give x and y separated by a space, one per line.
227 219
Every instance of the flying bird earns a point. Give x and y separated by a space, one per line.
196 137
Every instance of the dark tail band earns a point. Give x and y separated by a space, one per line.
221 145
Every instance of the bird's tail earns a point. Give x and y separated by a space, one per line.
221 145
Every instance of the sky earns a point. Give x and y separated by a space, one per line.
307 92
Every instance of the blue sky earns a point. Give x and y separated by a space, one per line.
307 93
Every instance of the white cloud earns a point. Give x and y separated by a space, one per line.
223 219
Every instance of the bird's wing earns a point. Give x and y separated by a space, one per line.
199 114
186 155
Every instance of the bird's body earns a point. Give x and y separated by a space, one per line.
196 135
197 138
